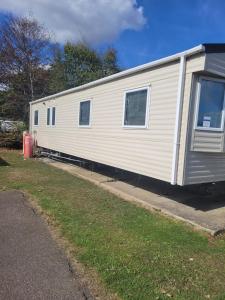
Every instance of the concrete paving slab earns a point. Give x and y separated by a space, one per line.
204 212
32 266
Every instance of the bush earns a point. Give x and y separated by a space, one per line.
11 134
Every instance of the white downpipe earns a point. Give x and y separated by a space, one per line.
179 106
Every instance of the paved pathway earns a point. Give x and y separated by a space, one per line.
31 264
206 212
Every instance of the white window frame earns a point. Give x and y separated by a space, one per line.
34 118
90 115
147 111
197 100
50 116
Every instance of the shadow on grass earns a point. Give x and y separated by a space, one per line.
3 163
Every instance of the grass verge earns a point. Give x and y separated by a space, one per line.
137 254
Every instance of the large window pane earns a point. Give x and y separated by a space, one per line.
53 116
135 108
210 104
84 119
36 117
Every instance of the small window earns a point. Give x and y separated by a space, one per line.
84 116
48 115
211 104
135 110
53 116
36 117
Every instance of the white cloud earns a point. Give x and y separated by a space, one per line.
91 21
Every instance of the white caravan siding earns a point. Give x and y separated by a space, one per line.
205 166
215 63
144 151
207 141
194 64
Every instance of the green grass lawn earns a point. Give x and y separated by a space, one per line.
137 254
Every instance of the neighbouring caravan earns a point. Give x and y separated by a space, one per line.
164 119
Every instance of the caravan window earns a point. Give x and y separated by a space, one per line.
84 115
136 108
48 115
51 112
53 116
210 112
36 117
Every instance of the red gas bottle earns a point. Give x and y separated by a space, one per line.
24 134
28 146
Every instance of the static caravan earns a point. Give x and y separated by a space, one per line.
163 119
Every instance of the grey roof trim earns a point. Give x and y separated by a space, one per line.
200 48
214 48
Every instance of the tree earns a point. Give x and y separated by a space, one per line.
32 67
57 80
110 65
82 64
78 64
25 53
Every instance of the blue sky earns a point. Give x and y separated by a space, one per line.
140 30
172 26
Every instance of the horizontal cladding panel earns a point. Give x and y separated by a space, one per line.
195 63
205 179
145 151
215 63
96 117
137 151
143 168
112 146
207 141
153 137
205 167
201 148
157 91
124 138
206 146
94 152
147 134
208 134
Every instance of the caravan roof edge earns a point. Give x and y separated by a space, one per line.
189 52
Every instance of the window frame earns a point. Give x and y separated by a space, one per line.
37 118
197 100
147 111
90 114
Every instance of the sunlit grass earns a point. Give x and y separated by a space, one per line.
138 254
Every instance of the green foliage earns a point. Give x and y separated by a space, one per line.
57 80
82 65
78 64
14 102
110 64
138 254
